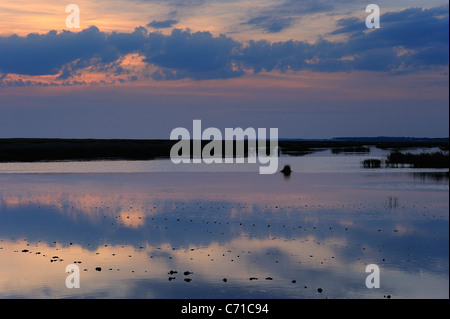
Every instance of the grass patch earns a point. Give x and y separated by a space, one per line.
421 160
372 163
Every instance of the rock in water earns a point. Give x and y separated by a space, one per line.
286 170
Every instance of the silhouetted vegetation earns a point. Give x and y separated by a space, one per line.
33 150
36 149
354 149
422 160
372 163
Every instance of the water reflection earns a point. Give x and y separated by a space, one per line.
314 231
433 176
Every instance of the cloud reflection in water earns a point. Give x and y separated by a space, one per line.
320 230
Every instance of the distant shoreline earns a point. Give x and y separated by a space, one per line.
51 149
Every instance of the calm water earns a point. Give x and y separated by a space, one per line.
142 221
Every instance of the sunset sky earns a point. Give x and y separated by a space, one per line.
140 68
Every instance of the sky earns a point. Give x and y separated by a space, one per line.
140 68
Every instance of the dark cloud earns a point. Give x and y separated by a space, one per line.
46 54
162 24
411 27
413 39
269 23
197 55
292 55
129 42
349 25
408 41
282 14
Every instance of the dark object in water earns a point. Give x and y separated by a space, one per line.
372 163
422 160
286 170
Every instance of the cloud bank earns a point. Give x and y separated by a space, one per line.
162 24
408 41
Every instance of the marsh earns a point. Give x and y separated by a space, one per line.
222 231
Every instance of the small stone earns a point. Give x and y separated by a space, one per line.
98 268
319 290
